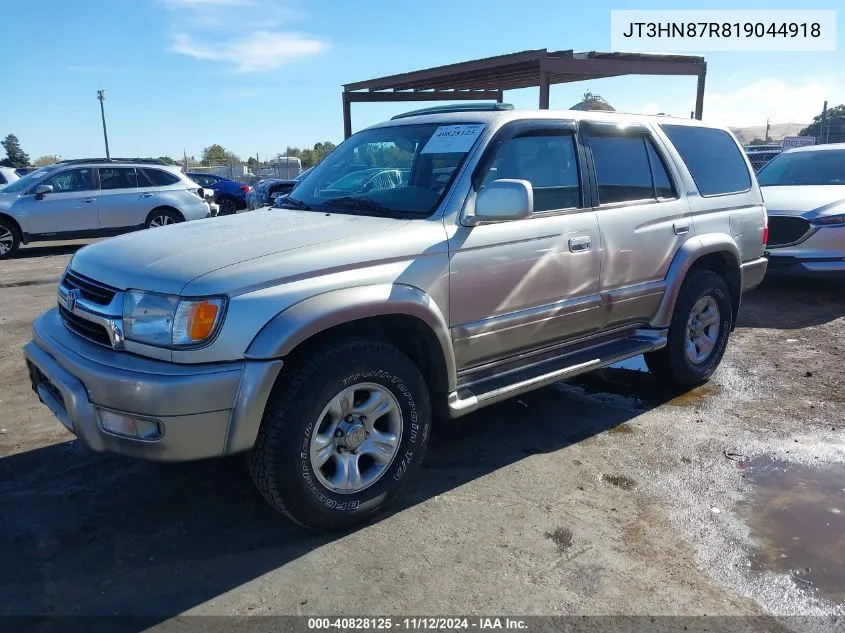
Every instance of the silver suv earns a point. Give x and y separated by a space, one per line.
320 338
94 198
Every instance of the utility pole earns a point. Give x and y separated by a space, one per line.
768 128
823 132
101 96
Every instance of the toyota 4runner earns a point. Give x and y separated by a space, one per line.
519 248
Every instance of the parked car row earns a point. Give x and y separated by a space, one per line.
265 192
95 198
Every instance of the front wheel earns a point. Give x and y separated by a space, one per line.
343 432
698 333
10 239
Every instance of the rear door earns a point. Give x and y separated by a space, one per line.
126 197
642 218
71 207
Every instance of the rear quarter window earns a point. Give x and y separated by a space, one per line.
713 158
160 178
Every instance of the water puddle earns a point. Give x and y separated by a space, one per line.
796 515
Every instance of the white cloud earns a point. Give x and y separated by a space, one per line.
259 51
781 101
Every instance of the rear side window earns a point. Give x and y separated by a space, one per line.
712 157
2 179
627 169
118 178
160 178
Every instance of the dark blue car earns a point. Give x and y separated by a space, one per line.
228 194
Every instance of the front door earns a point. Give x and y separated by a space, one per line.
71 207
126 197
643 221
524 284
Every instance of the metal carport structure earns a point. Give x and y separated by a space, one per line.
488 78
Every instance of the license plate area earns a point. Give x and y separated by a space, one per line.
40 381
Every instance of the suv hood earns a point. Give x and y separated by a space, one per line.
798 199
167 259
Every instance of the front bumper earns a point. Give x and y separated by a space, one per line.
820 267
820 254
203 411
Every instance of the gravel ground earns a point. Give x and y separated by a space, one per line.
606 495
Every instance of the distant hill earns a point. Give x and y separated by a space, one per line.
776 133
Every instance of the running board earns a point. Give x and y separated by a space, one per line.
497 388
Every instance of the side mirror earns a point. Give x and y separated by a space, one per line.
42 190
503 200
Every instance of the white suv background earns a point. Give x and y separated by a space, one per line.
84 199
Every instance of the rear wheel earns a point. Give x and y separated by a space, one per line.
698 333
163 217
343 432
228 206
10 239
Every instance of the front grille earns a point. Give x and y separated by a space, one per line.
786 230
89 289
87 329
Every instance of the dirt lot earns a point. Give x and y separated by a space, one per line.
607 495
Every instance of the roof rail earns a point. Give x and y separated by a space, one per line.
78 161
456 107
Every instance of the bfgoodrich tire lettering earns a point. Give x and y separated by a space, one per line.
702 290
281 464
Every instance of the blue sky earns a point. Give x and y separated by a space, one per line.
259 75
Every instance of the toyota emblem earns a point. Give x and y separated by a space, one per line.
72 296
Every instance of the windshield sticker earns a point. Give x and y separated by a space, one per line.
448 139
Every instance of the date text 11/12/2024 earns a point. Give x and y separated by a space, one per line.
415 624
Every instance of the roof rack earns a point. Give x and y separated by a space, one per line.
457 107
77 161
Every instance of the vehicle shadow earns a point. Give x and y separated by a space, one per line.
48 250
791 304
92 534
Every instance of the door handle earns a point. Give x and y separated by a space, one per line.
89 200
680 228
146 195
580 244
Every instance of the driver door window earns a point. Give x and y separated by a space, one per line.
71 180
548 162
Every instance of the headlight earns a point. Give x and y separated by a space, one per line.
829 220
169 321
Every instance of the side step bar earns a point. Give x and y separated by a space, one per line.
497 388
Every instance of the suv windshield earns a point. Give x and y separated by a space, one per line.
821 167
30 179
395 171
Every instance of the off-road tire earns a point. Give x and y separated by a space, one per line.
280 464
671 363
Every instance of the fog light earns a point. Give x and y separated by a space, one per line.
129 425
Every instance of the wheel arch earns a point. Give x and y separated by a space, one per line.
164 207
15 224
711 251
401 315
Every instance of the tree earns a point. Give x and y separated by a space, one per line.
43 161
311 157
252 163
834 128
214 155
15 156
757 141
167 160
